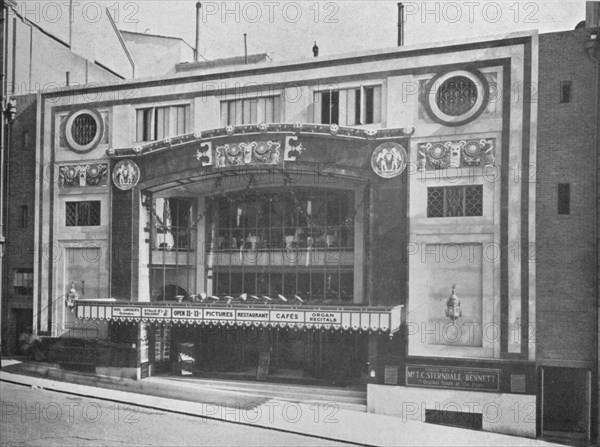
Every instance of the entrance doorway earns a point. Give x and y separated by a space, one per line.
23 325
566 404
294 355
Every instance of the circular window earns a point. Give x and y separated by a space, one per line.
457 98
83 130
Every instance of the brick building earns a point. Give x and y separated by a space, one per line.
38 60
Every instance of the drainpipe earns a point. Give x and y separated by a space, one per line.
3 46
197 48
400 24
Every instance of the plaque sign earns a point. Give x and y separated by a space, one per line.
451 377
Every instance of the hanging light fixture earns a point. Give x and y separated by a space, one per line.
453 309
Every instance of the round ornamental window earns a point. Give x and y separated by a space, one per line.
83 130
458 97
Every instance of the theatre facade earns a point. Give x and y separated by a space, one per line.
358 219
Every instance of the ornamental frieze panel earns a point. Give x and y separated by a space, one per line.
259 131
90 174
456 154
248 153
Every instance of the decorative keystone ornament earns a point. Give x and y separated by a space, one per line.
389 160
408 131
126 175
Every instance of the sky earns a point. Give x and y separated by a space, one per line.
288 29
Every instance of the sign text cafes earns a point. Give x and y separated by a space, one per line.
482 379
230 315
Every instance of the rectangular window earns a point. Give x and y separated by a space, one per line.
455 201
23 281
157 123
348 107
564 198
23 215
565 91
173 223
330 107
82 214
278 242
238 112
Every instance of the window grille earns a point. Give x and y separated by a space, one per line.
84 129
455 201
456 96
82 214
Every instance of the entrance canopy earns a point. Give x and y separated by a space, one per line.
350 318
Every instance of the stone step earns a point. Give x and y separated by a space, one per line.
349 399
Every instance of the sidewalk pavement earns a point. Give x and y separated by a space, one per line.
319 420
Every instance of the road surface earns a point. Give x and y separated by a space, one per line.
31 416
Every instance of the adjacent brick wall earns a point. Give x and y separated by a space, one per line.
566 260
21 192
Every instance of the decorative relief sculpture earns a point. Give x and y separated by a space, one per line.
255 152
126 175
456 154
388 160
204 154
93 174
293 148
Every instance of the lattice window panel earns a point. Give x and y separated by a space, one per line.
84 129
474 200
456 96
435 202
82 214
455 201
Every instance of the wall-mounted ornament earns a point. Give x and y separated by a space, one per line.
72 296
126 175
254 152
93 174
204 154
293 148
453 309
388 160
456 154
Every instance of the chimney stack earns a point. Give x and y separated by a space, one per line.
198 7
592 14
400 24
